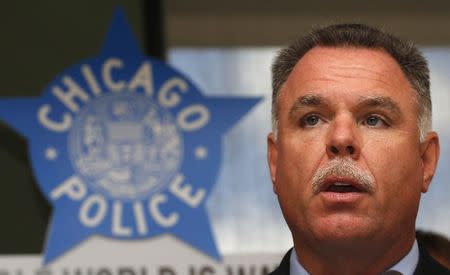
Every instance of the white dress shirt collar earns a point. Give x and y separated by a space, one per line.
405 266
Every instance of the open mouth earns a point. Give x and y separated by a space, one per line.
342 187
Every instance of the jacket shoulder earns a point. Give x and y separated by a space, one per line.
427 265
284 267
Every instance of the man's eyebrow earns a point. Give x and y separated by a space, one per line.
304 101
381 102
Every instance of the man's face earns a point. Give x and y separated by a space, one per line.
352 105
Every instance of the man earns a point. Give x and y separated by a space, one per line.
351 151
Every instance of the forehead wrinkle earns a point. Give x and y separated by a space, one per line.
359 72
357 68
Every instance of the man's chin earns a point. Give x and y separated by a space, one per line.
343 227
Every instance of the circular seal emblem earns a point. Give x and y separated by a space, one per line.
124 145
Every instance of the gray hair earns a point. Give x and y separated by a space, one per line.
410 59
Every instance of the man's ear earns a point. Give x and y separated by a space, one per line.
272 158
429 150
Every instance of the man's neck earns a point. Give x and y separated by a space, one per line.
353 257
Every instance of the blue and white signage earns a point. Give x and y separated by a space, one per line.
125 146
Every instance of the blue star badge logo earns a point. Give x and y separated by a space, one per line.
125 146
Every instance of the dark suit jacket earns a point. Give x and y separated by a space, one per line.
426 265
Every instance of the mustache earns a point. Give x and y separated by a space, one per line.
343 167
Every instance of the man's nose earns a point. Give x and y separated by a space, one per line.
343 138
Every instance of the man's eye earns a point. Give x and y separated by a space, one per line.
374 121
310 120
